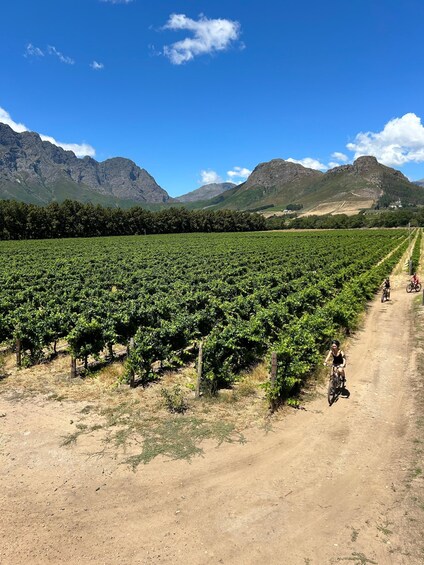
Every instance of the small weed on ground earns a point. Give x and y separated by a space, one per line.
358 559
384 528
354 535
175 399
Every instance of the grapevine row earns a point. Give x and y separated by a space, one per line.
162 293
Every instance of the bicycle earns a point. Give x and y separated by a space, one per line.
413 287
335 384
385 295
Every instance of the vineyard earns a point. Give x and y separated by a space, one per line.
240 295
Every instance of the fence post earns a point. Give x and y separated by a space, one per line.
199 370
18 353
274 364
73 367
132 379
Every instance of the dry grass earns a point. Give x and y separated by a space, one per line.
124 417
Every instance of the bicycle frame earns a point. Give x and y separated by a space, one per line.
334 384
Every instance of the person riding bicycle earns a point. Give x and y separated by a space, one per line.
339 358
386 289
415 280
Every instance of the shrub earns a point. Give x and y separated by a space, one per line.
174 399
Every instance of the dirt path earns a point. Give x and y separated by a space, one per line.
326 485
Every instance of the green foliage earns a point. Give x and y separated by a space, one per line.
2 367
229 348
300 350
243 294
175 399
86 338
416 252
75 219
147 349
381 218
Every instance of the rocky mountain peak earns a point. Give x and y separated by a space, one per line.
279 171
365 164
368 167
27 160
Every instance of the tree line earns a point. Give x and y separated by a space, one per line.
19 220
372 219
74 219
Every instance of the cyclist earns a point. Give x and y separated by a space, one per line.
415 280
386 287
339 359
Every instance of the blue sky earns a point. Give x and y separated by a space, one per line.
197 91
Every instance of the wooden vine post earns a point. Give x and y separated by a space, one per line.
199 370
73 367
130 347
273 378
18 353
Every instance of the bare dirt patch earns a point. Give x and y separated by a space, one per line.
348 207
321 485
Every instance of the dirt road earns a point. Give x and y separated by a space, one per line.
326 485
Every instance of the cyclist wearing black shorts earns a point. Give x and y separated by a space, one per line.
339 358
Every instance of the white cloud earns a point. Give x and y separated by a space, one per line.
6 119
62 58
333 164
238 173
401 141
340 157
309 163
32 51
80 149
97 66
208 36
117 1
208 177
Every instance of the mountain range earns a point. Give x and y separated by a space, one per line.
206 192
278 185
39 172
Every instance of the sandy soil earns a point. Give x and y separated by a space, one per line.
325 485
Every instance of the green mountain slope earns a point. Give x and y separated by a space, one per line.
278 184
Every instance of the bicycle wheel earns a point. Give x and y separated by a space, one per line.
417 287
332 391
409 287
